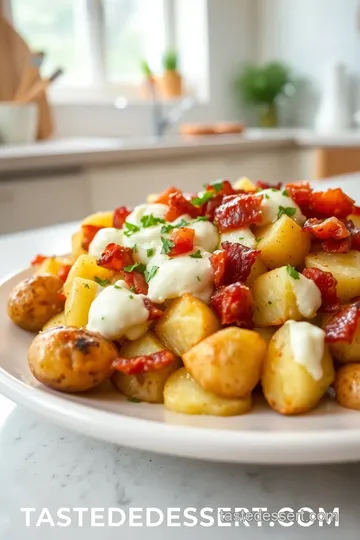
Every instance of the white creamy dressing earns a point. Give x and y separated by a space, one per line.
117 312
270 205
307 343
182 274
206 233
239 236
102 238
308 295
155 209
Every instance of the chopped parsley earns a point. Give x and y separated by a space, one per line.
134 400
86 286
202 198
274 189
288 211
182 223
292 272
241 238
130 229
131 296
196 255
137 267
218 185
151 273
202 218
259 239
132 289
198 278
117 287
165 229
150 220
269 303
134 248
285 193
102 282
167 245
267 196
102 318
150 252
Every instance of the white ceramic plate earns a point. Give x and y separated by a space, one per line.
329 434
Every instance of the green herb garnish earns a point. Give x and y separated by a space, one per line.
267 196
196 255
198 278
137 267
130 229
285 193
151 273
86 286
269 303
134 248
202 199
102 282
218 185
274 189
259 239
131 296
132 289
167 245
117 287
202 218
182 223
134 400
288 211
150 252
292 272
150 221
241 238
165 229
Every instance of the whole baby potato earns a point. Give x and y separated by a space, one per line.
34 301
71 359
347 386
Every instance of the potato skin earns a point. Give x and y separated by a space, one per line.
228 363
288 387
347 386
34 301
70 359
342 351
56 320
182 394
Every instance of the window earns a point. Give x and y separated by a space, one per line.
98 43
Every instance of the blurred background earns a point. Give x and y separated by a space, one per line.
104 101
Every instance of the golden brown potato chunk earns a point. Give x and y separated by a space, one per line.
70 359
228 363
347 386
342 351
34 301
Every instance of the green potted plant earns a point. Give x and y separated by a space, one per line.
171 81
261 86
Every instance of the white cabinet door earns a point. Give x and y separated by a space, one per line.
31 203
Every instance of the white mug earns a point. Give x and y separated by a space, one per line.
18 122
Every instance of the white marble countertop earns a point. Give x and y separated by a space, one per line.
86 151
44 466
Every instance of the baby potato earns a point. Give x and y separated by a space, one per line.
184 395
342 351
34 301
287 385
347 386
70 359
228 363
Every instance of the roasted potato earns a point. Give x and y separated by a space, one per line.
85 267
345 267
147 387
100 219
287 385
186 322
182 394
52 265
347 386
56 320
71 360
227 363
275 300
78 302
283 242
34 301
258 269
342 351
76 245
266 333
245 184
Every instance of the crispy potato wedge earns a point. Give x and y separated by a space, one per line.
287 385
283 242
78 302
100 219
227 363
85 267
345 267
147 387
56 320
182 394
186 322
347 386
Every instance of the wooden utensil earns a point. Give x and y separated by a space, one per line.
38 88
30 75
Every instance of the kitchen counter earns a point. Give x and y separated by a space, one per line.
45 466
84 152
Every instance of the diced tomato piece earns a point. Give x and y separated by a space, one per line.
163 198
144 364
332 202
136 282
38 259
179 206
238 211
183 240
239 261
356 210
62 297
327 229
218 262
116 257
342 325
154 311
234 304
265 185
88 234
337 246
120 215
326 282
64 272
223 187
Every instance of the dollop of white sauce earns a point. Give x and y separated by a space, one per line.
156 209
308 296
206 235
307 343
239 236
117 312
102 238
179 275
270 205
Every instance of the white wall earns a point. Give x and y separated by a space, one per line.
308 35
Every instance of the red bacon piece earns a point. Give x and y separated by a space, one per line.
332 202
88 233
120 215
183 240
218 262
136 282
38 259
234 304
265 185
327 229
64 272
342 325
116 257
226 188
145 363
179 206
238 211
238 262
337 246
163 198
356 210
154 311
301 195
355 234
326 282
